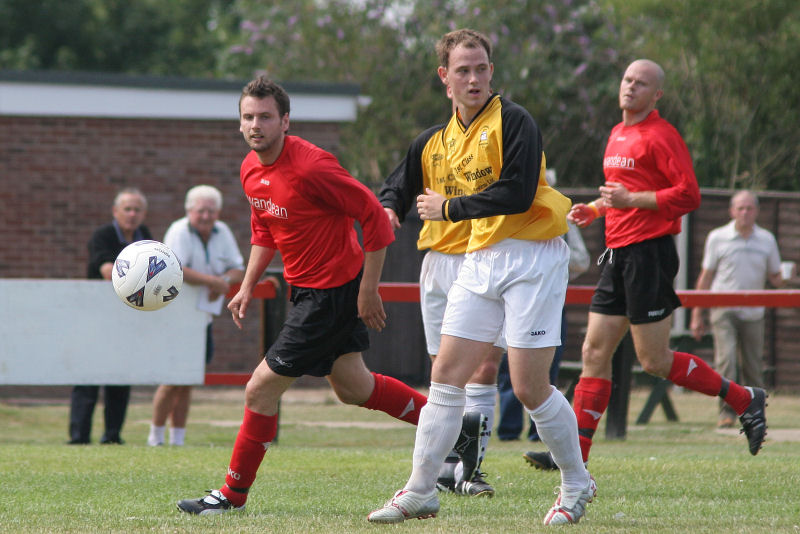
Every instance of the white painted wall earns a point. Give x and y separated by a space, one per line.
57 100
65 332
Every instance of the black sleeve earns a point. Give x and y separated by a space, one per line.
104 246
516 186
401 187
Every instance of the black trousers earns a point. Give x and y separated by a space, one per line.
83 401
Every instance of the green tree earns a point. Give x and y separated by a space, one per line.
733 86
732 78
340 41
556 59
179 37
733 83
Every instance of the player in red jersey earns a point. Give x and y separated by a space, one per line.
304 204
650 184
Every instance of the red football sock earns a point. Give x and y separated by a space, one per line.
590 403
395 398
255 435
694 373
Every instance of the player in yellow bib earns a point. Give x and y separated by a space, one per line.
513 279
445 243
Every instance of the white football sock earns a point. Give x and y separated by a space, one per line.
480 398
156 436
176 436
437 431
558 429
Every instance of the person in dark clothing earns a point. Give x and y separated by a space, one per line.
129 210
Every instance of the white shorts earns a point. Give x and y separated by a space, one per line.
519 283
436 277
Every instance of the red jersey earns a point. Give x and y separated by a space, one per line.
649 156
304 205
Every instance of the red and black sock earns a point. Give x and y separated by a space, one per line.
396 399
255 435
590 403
694 373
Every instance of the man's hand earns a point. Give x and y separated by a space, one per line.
429 205
615 195
394 220
217 286
370 309
582 215
698 324
238 306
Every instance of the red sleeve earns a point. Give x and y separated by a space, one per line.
331 184
259 233
675 163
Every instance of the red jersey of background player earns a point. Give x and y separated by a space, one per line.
304 205
649 156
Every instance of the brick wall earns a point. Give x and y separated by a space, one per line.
58 178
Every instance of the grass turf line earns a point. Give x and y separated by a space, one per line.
333 464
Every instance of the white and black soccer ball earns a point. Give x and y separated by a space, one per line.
147 275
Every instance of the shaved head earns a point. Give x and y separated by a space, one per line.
640 89
653 68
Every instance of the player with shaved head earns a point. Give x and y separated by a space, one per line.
649 185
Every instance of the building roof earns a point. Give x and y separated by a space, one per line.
93 94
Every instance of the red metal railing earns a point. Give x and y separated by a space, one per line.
409 292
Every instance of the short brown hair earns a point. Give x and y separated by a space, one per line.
262 87
466 37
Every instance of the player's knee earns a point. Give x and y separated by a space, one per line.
485 374
348 397
649 367
655 361
594 357
352 393
255 389
527 394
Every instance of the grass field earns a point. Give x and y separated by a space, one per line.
334 463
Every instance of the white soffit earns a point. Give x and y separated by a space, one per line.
56 100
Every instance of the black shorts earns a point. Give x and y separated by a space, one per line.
637 281
322 325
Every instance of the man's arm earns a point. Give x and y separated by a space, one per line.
370 305
105 270
217 285
584 214
675 163
103 247
616 195
256 264
404 183
394 220
214 283
776 280
233 276
515 188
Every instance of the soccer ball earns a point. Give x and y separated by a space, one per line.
147 275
